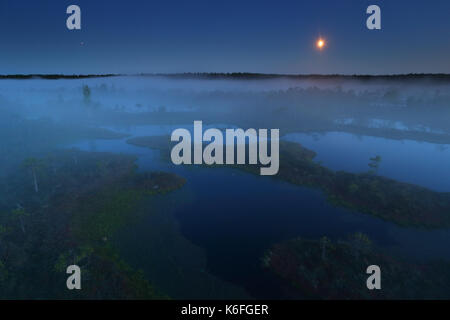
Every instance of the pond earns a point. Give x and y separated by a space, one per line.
235 216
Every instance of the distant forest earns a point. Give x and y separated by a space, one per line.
54 76
243 75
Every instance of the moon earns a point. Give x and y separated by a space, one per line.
320 43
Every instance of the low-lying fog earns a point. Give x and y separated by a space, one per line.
38 114
395 128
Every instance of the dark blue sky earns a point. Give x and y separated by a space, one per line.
133 36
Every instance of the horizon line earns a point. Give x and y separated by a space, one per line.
221 74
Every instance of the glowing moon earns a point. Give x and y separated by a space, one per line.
320 44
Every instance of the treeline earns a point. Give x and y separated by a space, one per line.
262 76
55 76
245 76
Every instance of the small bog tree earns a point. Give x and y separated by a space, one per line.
34 165
374 164
86 93
21 214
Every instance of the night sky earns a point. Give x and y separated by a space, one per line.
135 36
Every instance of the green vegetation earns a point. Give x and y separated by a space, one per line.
325 269
27 138
83 200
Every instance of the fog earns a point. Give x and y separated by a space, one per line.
38 115
415 105
347 123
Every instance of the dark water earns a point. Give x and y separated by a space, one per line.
422 163
234 217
